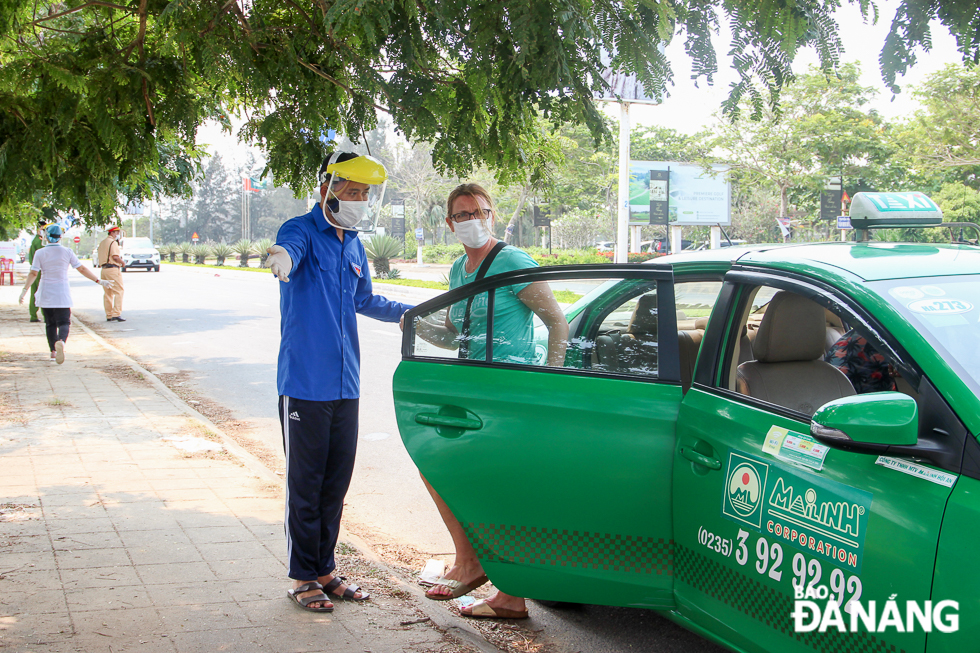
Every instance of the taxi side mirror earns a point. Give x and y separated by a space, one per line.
868 423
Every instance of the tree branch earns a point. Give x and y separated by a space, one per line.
93 3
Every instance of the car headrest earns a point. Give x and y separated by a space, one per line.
701 323
644 319
793 329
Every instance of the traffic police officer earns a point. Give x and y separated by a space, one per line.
111 262
324 283
36 244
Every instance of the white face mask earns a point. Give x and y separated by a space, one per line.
348 213
472 233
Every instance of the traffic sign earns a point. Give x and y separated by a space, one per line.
419 233
194 238
78 239
844 222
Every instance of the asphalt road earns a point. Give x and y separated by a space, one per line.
222 327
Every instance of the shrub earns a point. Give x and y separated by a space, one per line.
380 249
244 248
394 273
442 254
185 251
262 249
632 257
200 253
564 258
221 252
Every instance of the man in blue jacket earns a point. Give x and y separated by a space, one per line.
324 283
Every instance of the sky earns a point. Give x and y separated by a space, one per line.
689 109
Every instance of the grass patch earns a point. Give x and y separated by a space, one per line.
58 401
566 296
416 283
209 266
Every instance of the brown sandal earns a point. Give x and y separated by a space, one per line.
483 610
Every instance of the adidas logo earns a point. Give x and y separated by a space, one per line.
294 415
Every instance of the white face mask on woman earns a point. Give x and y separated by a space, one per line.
472 233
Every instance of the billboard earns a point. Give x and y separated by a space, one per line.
694 198
623 87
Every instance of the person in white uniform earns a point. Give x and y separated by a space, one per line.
53 295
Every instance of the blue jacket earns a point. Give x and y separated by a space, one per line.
319 354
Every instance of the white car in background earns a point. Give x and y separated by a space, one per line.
140 253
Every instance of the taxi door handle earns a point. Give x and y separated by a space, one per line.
700 458
432 419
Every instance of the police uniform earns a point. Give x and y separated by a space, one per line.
36 244
319 381
113 298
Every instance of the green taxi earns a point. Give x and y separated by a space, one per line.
700 454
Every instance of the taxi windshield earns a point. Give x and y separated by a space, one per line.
946 310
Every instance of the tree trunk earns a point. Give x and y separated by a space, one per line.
509 232
784 207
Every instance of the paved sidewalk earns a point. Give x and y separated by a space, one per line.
113 538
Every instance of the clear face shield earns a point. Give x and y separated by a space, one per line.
352 205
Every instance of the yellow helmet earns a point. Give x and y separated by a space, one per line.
363 169
343 168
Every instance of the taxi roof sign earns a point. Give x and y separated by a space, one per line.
885 210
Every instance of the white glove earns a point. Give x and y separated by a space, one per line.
280 263
23 294
107 283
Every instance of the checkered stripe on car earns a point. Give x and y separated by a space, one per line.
564 548
765 604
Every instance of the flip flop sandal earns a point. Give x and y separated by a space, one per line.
482 610
457 588
348 594
304 602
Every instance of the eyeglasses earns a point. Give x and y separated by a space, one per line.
464 216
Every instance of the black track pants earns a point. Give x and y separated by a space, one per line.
320 440
57 322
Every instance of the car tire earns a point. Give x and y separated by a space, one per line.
156 269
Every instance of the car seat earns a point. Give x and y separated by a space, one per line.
789 370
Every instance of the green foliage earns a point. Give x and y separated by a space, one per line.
379 250
945 134
442 254
104 100
569 257
567 296
822 131
262 246
415 283
220 252
185 249
200 252
394 273
244 248
959 203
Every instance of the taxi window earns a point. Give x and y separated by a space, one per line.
946 311
587 324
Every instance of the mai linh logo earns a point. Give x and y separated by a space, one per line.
744 489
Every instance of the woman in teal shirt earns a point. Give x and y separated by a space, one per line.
470 214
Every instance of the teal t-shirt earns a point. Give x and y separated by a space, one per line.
513 331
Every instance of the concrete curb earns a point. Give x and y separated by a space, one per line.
444 620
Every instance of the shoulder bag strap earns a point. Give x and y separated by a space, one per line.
464 343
